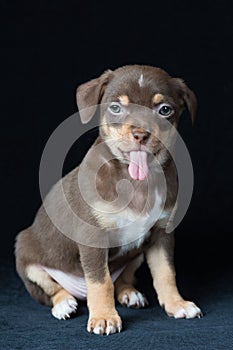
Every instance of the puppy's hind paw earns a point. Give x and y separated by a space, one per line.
65 308
132 298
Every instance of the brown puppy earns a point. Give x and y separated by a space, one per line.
102 250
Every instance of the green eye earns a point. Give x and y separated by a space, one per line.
115 109
166 110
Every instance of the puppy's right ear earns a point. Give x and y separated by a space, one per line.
88 96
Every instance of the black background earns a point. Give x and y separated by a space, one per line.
49 47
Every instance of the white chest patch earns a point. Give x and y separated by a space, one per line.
132 229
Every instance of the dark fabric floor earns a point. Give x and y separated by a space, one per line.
204 273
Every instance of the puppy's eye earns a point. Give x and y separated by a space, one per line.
115 108
166 110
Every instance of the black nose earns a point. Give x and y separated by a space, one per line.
140 135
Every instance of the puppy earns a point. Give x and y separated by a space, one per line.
117 226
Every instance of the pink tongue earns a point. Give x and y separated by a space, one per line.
138 168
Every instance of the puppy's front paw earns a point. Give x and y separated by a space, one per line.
130 297
65 308
183 309
104 324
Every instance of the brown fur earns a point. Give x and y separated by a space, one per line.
44 244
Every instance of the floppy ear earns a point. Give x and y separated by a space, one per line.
188 96
89 94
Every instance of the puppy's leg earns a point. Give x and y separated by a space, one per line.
64 304
160 261
126 294
103 317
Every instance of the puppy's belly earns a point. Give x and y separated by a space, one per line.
76 286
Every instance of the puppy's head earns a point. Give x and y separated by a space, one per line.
140 106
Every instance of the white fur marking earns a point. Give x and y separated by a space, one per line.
110 330
136 226
134 300
64 309
140 80
189 311
98 330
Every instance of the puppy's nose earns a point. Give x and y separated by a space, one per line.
140 135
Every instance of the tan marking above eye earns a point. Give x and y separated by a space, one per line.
158 98
124 100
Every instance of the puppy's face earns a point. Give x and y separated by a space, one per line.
140 107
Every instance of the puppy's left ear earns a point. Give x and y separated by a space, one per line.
187 95
88 96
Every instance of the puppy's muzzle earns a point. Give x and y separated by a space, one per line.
140 135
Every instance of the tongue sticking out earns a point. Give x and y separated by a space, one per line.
138 168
